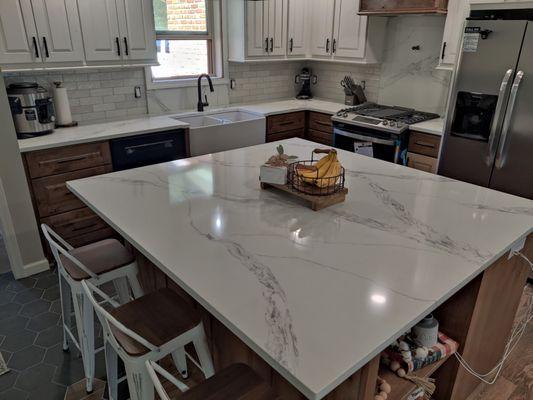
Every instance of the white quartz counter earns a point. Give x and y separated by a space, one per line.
150 124
316 294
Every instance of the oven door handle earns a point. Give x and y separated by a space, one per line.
364 138
497 116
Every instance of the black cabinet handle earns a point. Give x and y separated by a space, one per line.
327 45
291 46
443 50
271 45
266 42
36 46
126 48
334 45
46 48
117 40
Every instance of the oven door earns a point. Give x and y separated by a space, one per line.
384 146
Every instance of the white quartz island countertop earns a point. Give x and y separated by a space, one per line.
316 294
151 124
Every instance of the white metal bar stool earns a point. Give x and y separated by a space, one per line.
99 262
148 329
236 382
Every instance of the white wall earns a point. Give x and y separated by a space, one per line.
16 210
408 77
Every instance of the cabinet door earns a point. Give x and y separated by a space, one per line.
101 37
350 30
297 43
256 28
58 26
277 27
137 29
453 32
322 27
18 36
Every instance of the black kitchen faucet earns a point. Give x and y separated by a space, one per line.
201 103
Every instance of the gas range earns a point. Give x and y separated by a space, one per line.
391 119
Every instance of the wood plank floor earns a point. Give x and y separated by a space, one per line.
516 380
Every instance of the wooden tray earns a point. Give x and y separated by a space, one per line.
316 203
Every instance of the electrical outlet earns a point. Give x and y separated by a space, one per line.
138 93
232 84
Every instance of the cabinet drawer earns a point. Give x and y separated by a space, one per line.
320 122
53 197
422 163
424 143
286 122
75 223
92 237
65 159
285 135
320 137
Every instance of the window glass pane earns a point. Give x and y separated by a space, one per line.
180 15
181 58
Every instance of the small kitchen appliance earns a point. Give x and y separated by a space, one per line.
305 78
32 109
383 127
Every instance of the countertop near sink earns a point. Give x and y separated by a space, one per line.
149 124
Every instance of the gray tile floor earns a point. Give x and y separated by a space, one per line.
31 340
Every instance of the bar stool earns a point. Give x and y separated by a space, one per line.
236 382
100 262
148 329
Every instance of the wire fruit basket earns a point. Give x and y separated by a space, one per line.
315 185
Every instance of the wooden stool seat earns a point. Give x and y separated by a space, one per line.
100 257
236 382
158 317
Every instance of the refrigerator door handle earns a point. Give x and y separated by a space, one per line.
502 150
497 115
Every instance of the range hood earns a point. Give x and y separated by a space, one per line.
400 7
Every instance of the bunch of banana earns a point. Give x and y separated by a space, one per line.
324 173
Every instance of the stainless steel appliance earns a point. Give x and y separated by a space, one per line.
385 127
32 109
153 148
488 137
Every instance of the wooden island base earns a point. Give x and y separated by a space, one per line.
479 316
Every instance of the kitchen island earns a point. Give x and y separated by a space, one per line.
310 299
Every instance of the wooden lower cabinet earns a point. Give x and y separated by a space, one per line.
422 163
75 223
392 7
423 151
285 135
313 126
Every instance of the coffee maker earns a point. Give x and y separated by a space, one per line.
305 78
32 109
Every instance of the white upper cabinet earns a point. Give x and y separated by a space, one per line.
118 30
18 39
58 26
458 10
257 28
266 28
39 31
350 30
297 29
136 19
322 27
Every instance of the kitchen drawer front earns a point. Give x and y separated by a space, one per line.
286 122
422 163
92 237
424 143
320 137
285 135
320 122
52 195
75 223
66 159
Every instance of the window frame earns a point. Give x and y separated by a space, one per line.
216 61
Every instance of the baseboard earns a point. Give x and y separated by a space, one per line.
35 267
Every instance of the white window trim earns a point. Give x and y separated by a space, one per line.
220 63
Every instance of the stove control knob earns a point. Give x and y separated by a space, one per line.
385 123
399 124
392 123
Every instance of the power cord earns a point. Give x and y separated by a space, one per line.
514 339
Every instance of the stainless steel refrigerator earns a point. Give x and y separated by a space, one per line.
488 137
